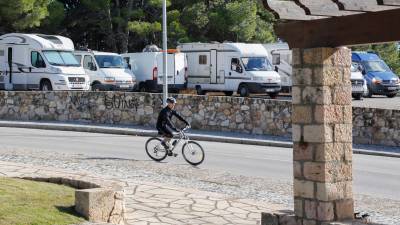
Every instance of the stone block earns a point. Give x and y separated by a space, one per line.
269 219
303 188
325 211
301 114
296 94
287 220
297 57
327 56
343 133
310 209
320 95
329 152
344 209
334 191
327 76
314 171
297 133
309 222
317 133
347 114
303 151
298 207
96 204
297 170
302 76
324 114
342 95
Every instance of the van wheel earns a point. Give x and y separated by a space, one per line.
243 90
357 96
46 86
96 87
200 91
273 95
391 95
369 93
228 93
142 88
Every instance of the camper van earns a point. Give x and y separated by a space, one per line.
39 62
148 68
281 57
230 67
106 70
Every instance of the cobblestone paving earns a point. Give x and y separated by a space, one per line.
218 185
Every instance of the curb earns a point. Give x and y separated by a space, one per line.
150 133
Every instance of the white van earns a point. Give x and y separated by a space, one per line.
230 67
106 70
148 68
281 57
39 62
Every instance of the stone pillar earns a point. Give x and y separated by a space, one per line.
322 135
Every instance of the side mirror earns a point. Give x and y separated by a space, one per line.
239 69
129 66
276 69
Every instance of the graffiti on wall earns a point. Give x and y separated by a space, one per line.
121 102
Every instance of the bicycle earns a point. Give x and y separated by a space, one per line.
192 151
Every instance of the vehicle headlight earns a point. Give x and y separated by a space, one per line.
55 70
109 79
376 80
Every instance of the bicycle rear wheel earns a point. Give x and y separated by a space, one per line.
155 150
193 153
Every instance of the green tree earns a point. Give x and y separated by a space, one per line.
17 15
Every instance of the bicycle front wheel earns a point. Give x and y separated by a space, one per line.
193 153
155 150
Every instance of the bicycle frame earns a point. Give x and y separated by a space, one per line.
182 137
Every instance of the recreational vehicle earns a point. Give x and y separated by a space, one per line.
106 70
39 62
148 68
230 67
281 57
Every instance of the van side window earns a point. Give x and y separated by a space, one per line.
235 65
202 59
88 63
37 60
78 58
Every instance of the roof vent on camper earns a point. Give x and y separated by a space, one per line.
151 48
53 39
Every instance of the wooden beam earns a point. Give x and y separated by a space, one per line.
365 28
288 10
389 2
361 5
323 8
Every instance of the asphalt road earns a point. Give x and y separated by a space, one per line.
373 175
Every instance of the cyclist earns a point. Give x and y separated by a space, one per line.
165 126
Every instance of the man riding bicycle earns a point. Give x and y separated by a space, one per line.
165 126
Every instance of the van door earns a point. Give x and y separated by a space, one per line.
213 66
16 62
36 70
180 68
170 68
91 68
3 69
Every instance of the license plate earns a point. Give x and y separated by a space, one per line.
358 88
392 88
77 85
124 86
270 90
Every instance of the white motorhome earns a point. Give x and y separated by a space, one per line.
281 57
148 68
39 62
106 70
230 67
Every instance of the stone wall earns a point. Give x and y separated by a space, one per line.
252 116
246 115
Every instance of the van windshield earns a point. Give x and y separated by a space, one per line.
109 61
257 64
376 66
61 58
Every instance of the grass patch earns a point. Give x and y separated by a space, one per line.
25 202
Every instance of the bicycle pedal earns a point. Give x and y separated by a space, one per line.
175 155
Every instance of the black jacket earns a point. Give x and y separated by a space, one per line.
165 116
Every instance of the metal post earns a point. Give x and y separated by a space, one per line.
165 75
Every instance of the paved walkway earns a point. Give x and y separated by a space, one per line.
156 204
